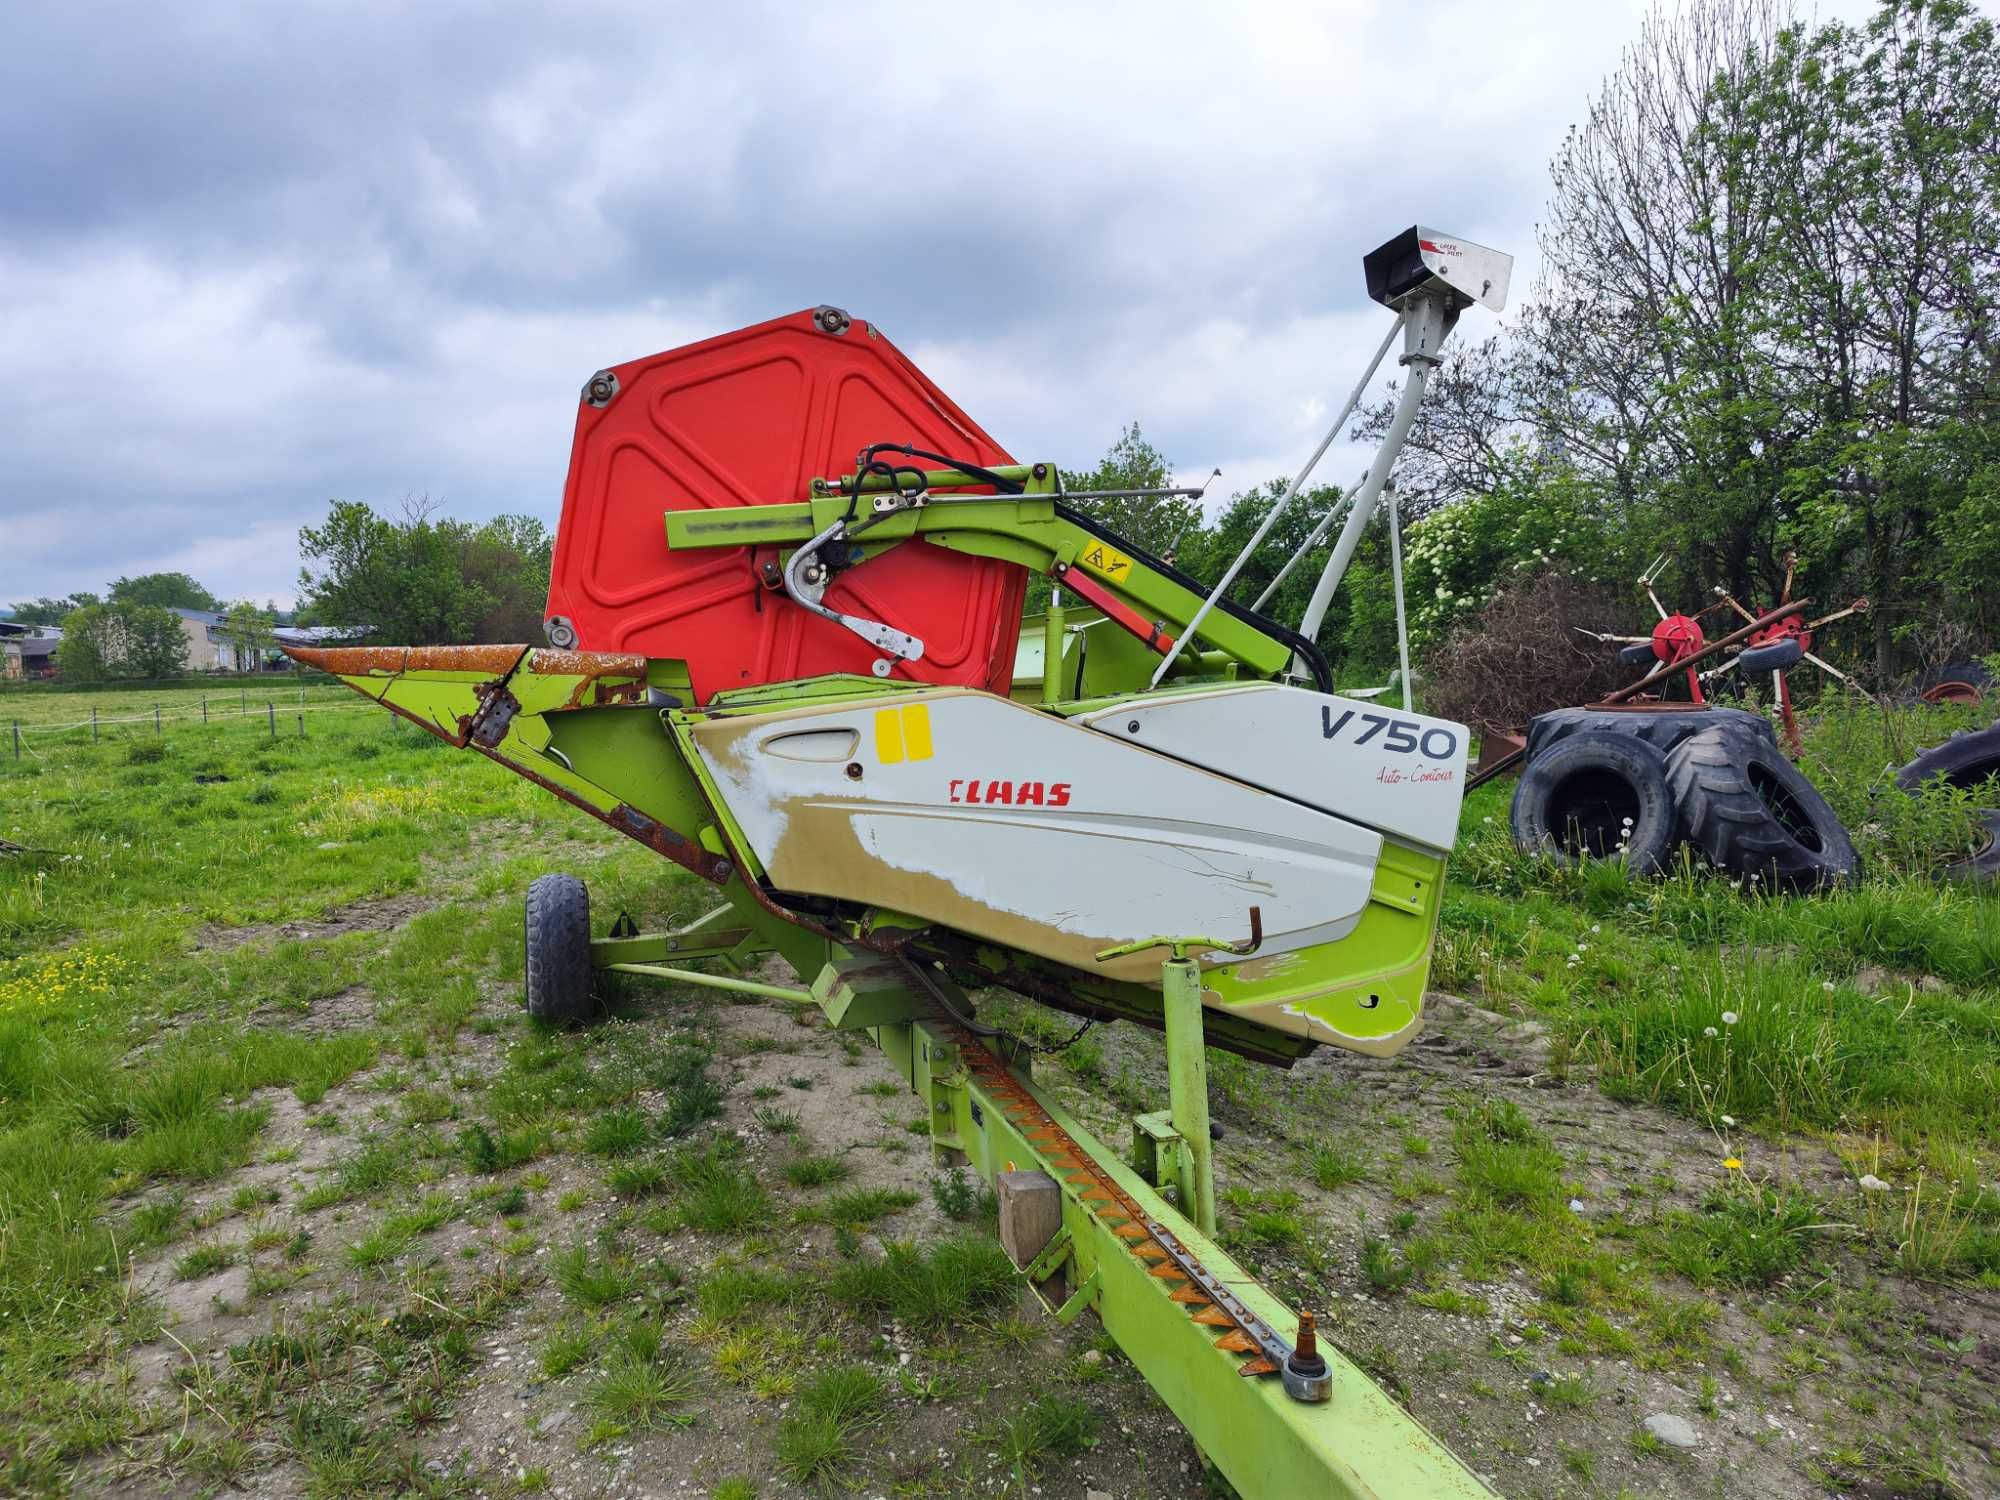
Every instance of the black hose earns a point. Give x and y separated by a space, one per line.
977 471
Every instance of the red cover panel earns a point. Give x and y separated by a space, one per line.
750 418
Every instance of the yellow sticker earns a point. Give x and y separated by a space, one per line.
903 733
1109 561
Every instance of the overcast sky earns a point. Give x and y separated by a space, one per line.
257 256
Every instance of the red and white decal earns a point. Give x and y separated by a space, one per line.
985 793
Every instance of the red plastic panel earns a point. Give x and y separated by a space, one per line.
750 418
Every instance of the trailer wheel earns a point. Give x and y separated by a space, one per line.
1661 728
557 942
1596 795
1754 814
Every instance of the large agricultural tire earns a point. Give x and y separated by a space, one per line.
1596 795
1967 672
556 935
1754 814
1661 728
1964 760
1984 862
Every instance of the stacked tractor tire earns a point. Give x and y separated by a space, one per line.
1637 783
1968 760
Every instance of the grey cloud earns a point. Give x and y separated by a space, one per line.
253 257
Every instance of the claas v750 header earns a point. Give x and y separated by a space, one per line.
787 653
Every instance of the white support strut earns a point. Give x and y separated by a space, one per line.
1285 498
1426 321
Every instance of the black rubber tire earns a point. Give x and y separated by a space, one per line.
1662 730
1967 669
1754 814
1575 798
1984 862
556 935
1778 656
1964 760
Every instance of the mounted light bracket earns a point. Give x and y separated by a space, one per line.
1421 260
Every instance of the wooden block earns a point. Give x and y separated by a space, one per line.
1030 1213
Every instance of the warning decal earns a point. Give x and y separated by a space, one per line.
1109 561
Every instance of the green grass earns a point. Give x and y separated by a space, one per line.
618 1132
954 1282
591 1275
145 1053
855 1208
816 1171
1333 1166
716 1194
204 1260
643 1388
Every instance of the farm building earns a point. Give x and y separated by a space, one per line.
29 655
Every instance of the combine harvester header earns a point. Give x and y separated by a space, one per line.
787 653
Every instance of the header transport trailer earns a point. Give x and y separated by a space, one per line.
787 653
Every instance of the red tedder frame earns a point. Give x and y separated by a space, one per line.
751 418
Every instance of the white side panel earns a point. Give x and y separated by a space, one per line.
1021 827
1402 773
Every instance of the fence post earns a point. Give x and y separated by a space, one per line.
17 739
156 719
302 726
273 709
93 723
204 708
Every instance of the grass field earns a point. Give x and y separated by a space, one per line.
292 1197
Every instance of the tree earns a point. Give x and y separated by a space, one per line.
104 641
419 581
155 644
1769 316
1158 523
170 590
248 630
1881 291
47 611
91 649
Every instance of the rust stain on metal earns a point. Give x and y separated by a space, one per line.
608 677
497 661
387 661
497 708
552 663
351 661
661 839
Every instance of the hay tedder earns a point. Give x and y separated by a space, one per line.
804 677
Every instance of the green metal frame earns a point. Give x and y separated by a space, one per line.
1024 529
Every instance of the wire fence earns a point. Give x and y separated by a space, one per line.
26 739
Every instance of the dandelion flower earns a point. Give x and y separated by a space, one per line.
1709 1031
1729 1121
1732 1163
1729 1018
